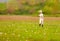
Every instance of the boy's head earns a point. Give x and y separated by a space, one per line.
40 11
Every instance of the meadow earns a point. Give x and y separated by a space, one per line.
29 30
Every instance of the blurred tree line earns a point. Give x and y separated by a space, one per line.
27 7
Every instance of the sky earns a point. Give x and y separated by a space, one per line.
3 0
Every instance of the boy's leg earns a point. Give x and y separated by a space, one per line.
42 25
40 22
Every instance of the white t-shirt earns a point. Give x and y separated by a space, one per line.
41 16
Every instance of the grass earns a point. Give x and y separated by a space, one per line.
29 31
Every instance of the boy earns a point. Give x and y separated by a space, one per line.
41 19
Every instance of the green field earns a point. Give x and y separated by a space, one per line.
29 31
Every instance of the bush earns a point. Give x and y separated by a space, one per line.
3 12
21 12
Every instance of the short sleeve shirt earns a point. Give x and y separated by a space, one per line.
41 16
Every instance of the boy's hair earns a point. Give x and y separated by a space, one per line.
40 10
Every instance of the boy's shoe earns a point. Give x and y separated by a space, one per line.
39 24
42 25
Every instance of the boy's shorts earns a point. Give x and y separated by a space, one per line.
41 21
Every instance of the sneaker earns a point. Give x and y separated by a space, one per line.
39 24
42 25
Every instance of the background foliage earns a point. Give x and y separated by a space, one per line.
30 7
